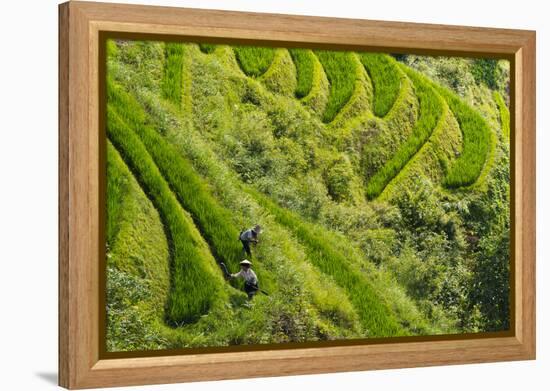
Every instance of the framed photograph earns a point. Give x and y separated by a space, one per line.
246 195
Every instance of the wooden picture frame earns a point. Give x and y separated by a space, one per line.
80 27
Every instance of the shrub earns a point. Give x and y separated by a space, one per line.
128 326
338 179
385 78
492 279
341 72
485 70
171 85
254 61
194 286
304 61
430 113
207 47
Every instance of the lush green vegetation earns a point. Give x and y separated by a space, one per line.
385 78
172 84
304 61
341 71
254 61
504 115
431 110
237 148
476 145
485 70
194 285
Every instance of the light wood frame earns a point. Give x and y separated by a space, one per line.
80 24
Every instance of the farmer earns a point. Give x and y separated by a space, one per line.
250 280
250 236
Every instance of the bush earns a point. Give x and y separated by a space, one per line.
254 61
492 279
485 70
304 61
194 287
338 179
128 328
341 72
385 78
207 47
430 114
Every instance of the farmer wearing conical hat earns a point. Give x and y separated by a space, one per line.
250 280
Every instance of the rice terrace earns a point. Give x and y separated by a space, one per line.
379 185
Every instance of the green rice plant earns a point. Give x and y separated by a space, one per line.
254 61
171 84
385 78
477 142
117 186
504 115
194 283
374 314
207 47
430 113
341 72
304 61
213 221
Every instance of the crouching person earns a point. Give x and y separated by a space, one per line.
250 236
250 280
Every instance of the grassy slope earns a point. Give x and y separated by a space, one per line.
328 321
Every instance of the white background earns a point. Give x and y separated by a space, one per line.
28 194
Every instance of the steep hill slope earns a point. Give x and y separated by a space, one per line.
335 154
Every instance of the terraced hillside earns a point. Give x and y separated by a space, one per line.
382 192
